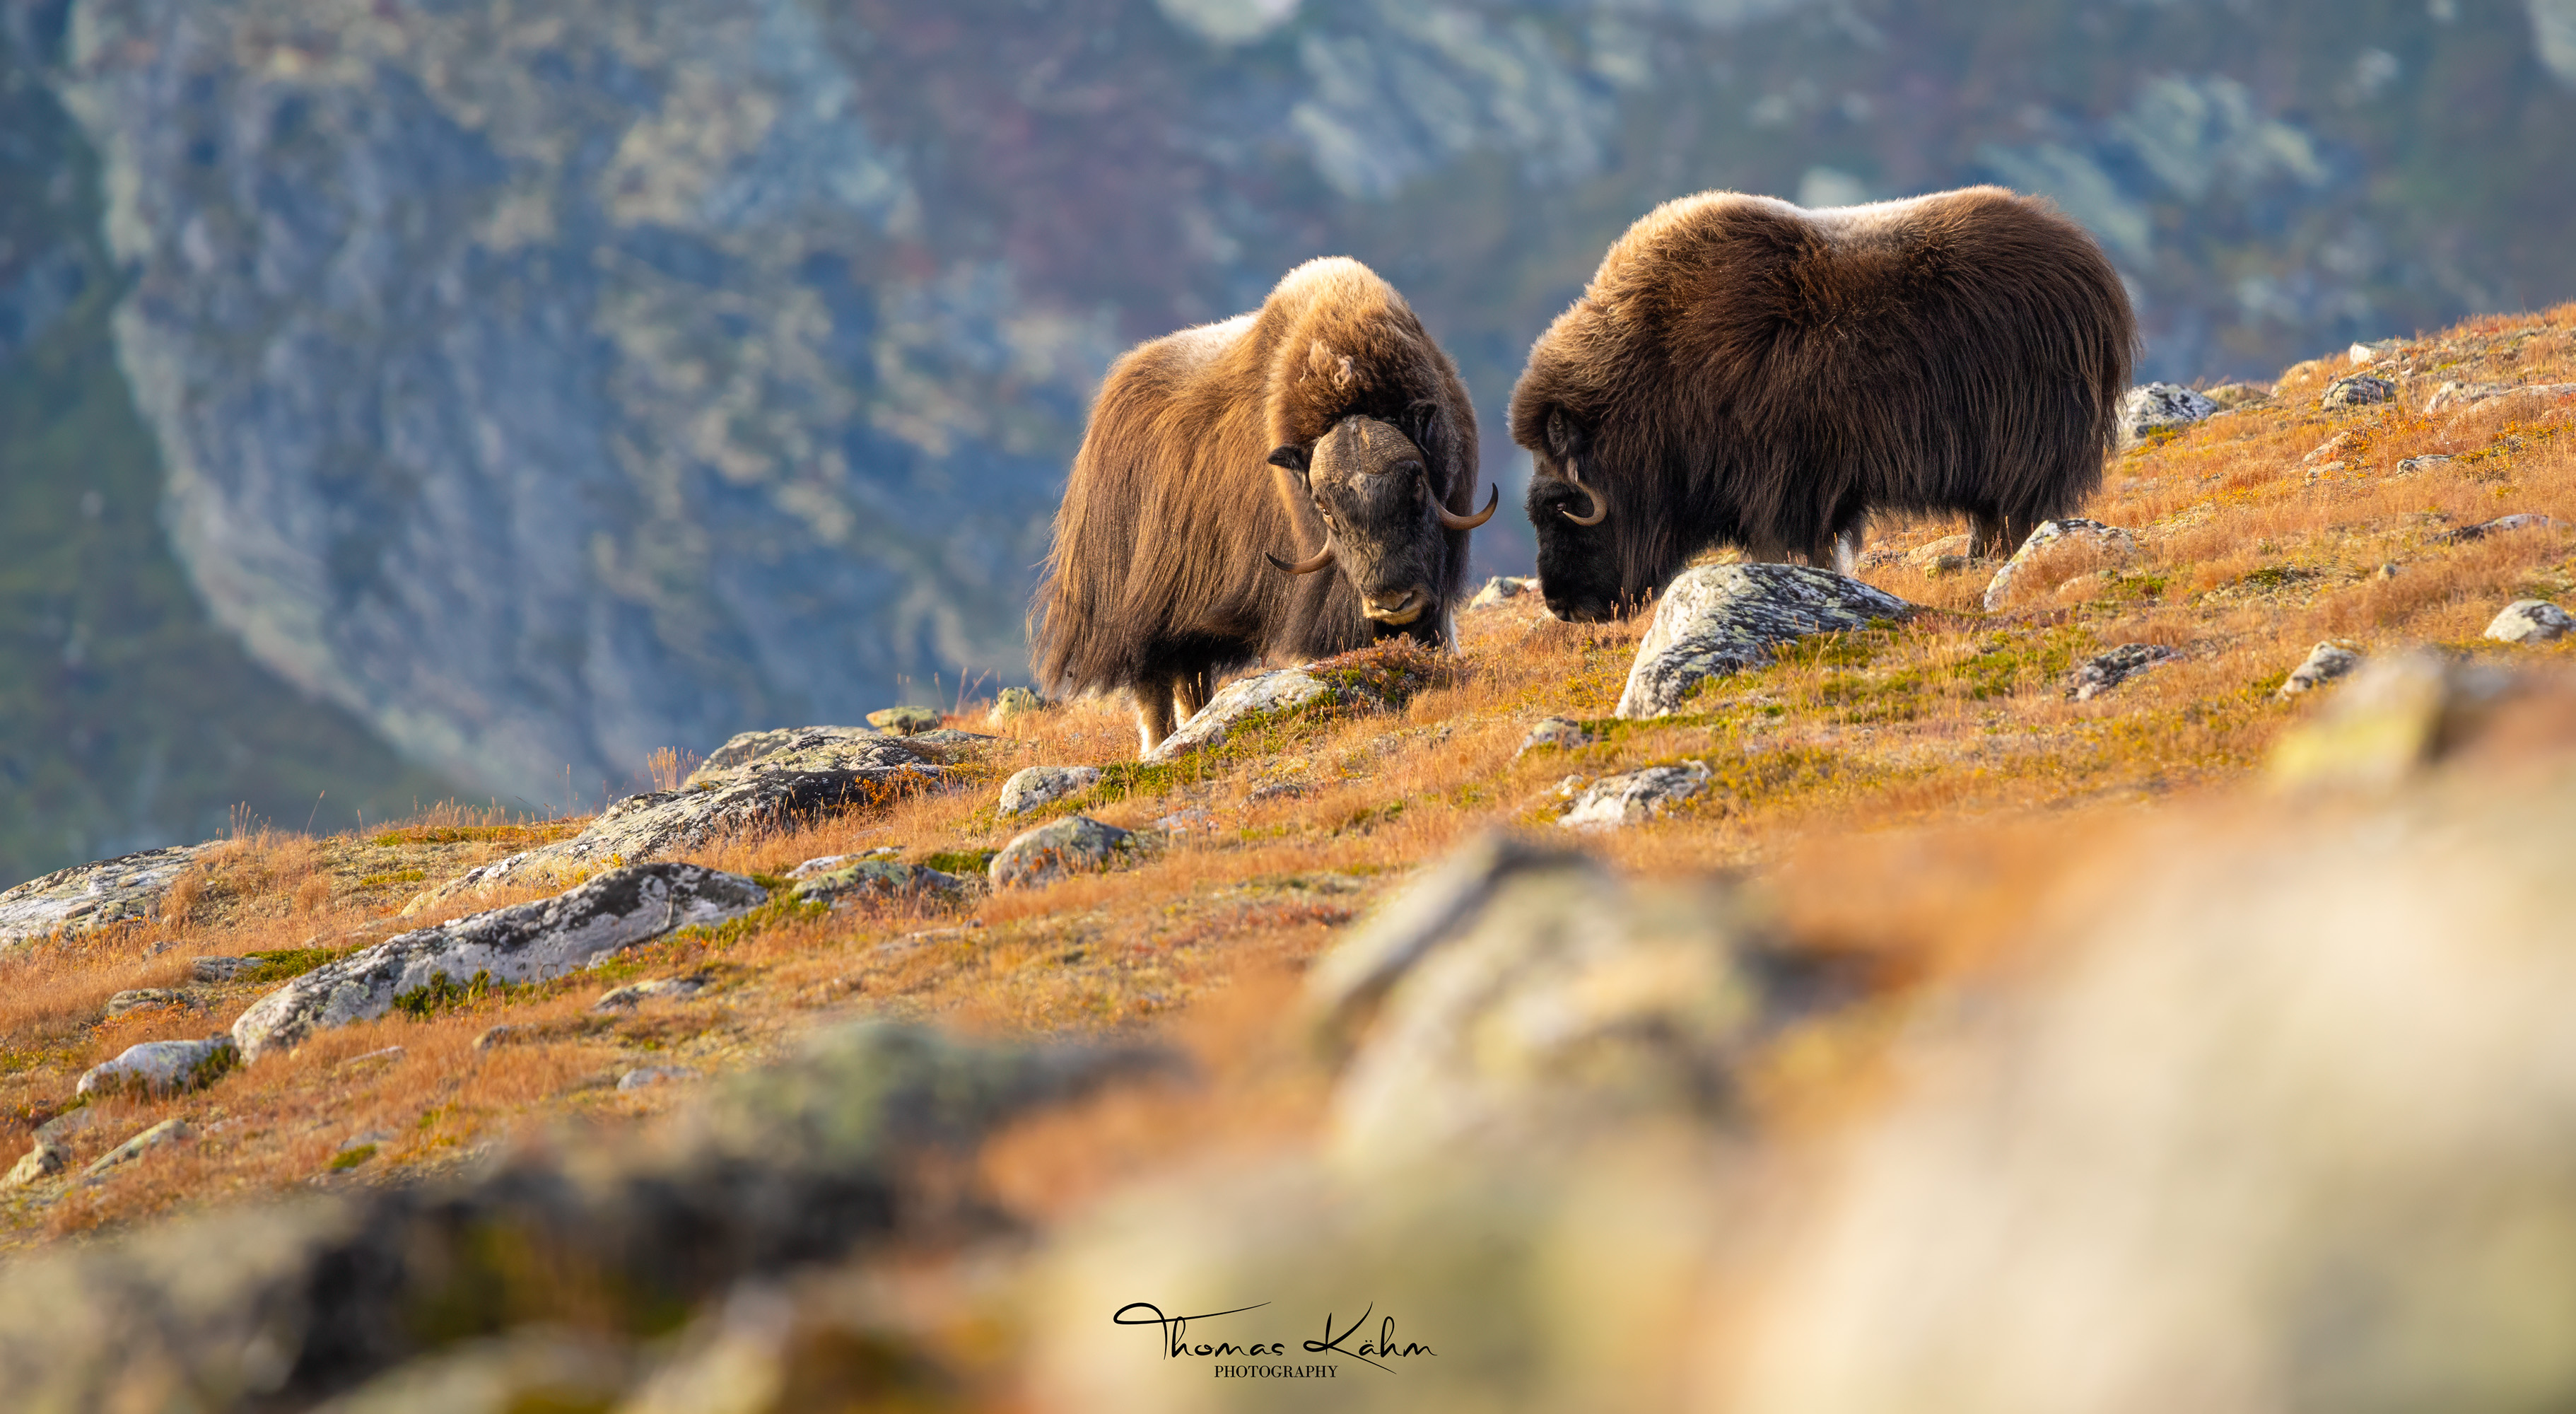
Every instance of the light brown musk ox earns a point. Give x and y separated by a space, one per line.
1746 372
1327 419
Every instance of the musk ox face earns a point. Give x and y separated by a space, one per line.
1383 525
1582 561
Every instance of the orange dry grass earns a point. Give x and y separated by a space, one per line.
1897 788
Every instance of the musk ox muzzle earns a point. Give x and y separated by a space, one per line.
1384 525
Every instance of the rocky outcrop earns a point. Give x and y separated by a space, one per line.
880 879
126 889
764 778
2520 520
2531 621
2324 663
161 1067
1720 619
2160 407
904 721
1028 789
1076 844
167 1132
2355 390
1561 733
526 942
2451 397
1633 797
2104 671
2051 537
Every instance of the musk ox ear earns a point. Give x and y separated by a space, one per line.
1290 458
1566 438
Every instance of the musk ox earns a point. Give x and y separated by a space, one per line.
1743 371
1325 419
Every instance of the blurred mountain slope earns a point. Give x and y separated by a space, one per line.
127 719
550 383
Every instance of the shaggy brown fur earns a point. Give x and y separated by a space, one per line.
1742 371
1157 582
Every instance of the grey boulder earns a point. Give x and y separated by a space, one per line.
1076 844
126 889
1502 589
2324 663
1260 695
2104 671
1037 785
881 879
168 1131
1561 733
2355 390
2158 407
2046 540
2531 621
1720 619
162 1067
1633 797
525 942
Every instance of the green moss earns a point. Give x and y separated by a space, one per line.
350 1158
961 861
398 876
442 993
286 964
2005 663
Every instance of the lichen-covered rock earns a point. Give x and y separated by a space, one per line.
140 998
522 943
2409 466
2324 663
162 1067
2158 407
767 777
2396 715
645 1076
879 879
1037 785
2105 671
2047 539
1501 589
659 989
1076 844
2531 621
2231 396
1632 797
1012 702
2451 397
904 721
168 1131
1262 694
1562 733
2355 390
1720 619
46 1158
126 889
2520 520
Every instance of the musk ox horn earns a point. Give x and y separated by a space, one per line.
1455 521
1322 558
1600 507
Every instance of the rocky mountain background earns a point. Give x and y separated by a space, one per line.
406 397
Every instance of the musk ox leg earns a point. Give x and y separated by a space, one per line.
1847 549
1153 713
1990 538
1190 693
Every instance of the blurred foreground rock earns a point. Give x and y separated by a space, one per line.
274 1308
2290 1128
525 942
126 889
1720 619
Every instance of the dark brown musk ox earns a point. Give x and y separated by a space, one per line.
1325 419
1746 372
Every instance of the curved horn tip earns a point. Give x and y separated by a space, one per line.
1322 558
1600 508
1455 521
